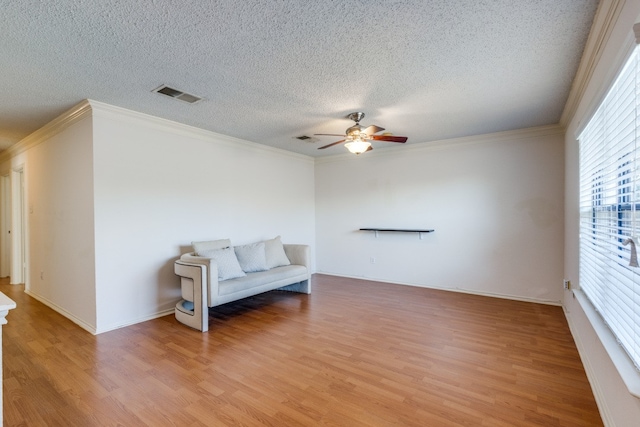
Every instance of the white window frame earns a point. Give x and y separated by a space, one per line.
609 214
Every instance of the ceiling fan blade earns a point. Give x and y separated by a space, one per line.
331 145
373 129
389 138
369 149
330 134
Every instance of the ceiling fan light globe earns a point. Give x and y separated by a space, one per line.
358 146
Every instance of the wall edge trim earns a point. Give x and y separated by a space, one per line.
596 387
101 109
445 144
601 29
624 365
55 307
57 125
458 290
135 321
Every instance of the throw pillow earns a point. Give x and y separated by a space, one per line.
228 267
274 252
210 245
251 257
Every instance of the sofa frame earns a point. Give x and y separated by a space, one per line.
200 285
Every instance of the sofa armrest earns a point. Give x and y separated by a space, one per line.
299 255
192 282
212 274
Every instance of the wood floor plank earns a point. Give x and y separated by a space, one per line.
353 353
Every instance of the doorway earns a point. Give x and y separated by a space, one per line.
5 226
18 247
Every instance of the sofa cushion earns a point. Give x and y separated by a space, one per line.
210 245
228 267
251 257
274 252
253 280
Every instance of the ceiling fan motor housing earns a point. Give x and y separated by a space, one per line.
356 117
356 130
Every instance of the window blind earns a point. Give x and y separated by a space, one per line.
610 206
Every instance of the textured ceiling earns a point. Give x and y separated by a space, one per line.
270 70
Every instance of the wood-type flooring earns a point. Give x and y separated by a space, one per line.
353 353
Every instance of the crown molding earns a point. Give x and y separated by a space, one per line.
91 108
103 110
603 24
447 144
57 125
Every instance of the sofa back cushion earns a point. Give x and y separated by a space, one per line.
251 257
210 245
274 253
228 266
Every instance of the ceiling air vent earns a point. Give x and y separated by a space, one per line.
306 138
177 94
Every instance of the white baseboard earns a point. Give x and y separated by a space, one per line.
598 392
91 329
629 374
84 325
459 290
136 321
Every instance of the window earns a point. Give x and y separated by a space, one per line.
610 208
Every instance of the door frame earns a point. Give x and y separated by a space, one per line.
18 227
5 225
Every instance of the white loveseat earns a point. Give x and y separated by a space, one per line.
210 277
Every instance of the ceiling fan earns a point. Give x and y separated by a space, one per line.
357 137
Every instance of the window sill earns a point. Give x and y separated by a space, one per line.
618 355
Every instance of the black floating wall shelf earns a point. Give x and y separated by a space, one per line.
398 230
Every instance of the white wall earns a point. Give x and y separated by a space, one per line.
114 197
160 185
617 406
495 202
59 221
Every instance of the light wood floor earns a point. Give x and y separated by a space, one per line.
354 353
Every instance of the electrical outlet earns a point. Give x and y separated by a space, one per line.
567 284
372 260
